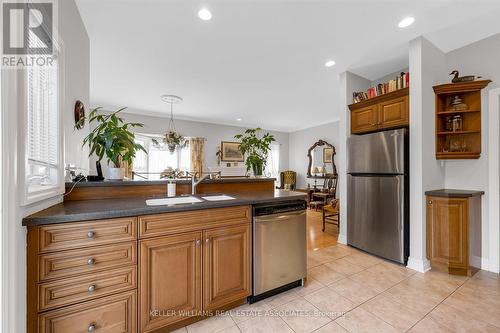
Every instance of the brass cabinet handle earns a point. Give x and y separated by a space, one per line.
91 288
198 242
90 234
207 240
91 328
90 261
429 202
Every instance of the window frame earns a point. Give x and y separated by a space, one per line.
28 198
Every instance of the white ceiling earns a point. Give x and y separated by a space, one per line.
261 60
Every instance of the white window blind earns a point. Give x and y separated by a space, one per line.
43 138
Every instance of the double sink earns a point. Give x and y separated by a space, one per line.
187 200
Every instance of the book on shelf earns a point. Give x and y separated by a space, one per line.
400 82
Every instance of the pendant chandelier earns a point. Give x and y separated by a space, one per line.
171 138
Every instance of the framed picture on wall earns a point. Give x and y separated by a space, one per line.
327 155
230 152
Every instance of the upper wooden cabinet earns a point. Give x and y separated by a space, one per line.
226 266
390 110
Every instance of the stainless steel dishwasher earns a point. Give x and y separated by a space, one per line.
279 248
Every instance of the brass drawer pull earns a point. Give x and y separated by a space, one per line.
90 234
91 328
91 261
91 288
207 240
198 242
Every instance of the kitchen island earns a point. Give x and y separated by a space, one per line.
117 262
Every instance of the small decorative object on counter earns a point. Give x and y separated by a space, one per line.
466 78
457 104
112 138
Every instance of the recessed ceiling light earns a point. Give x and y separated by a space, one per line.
204 14
239 119
406 22
329 63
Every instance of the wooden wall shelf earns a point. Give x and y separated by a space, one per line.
464 143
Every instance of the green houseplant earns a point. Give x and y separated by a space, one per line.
255 147
112 138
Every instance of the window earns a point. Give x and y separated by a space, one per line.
273 161
158 159
43 171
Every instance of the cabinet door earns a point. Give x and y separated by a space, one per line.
227 265
364 119
169 279
393 113
447 236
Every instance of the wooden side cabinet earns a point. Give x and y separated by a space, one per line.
454 231
387 111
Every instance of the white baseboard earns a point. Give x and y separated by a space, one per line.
342 239
419 265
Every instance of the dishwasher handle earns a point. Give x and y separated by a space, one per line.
279 216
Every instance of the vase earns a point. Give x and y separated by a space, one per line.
116 173
171 191
258 169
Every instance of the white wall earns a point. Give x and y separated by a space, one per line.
301 141
480 58
76 49
426 66
349 83
77 80
212 132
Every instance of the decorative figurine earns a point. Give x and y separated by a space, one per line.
467 78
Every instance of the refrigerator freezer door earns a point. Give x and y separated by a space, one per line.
376 215
381 152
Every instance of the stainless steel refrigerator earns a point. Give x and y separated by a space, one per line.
378 194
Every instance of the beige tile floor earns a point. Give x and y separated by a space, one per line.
350 291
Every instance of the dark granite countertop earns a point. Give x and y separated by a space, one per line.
452 193
72 211
165 181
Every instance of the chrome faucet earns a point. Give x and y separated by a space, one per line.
195 182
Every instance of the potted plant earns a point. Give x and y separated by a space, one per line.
112 138
255 147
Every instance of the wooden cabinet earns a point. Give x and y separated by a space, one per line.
170 279
458 119
138 274
364 119
383 112
226 265
393 113
454 232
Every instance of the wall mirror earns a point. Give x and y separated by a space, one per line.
321 160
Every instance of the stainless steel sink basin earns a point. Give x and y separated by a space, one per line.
172 201
217 197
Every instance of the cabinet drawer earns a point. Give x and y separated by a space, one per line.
91 286
170 223
113 314
77 262
84 234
